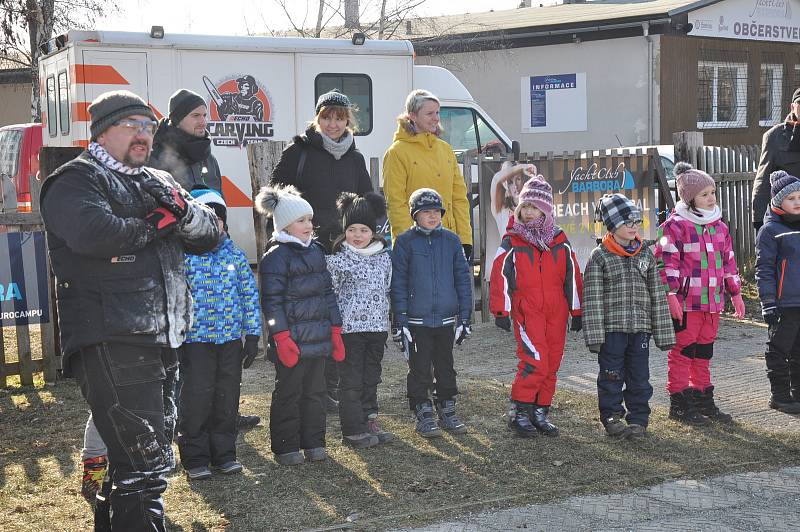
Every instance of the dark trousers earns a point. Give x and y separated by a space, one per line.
783 353
625 360
125 388
332 378
360 375
431 347
297 413
210 374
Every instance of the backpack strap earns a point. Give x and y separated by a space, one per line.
301 165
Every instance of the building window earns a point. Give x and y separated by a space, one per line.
721 95
357 87
770 95
63 102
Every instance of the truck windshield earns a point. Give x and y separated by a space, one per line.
464 130
10 145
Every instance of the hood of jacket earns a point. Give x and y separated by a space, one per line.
405 133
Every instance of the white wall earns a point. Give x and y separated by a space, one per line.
617 89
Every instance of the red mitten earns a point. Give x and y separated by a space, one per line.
675 307
288 352
338 344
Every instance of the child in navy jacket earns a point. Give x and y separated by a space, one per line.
431 294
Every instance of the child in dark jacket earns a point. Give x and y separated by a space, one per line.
305 326
225 309
537 280
431 293
624 303
361 270
777 272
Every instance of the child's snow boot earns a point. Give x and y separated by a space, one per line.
363 440
519 420
542 422
374 428
94 471
704 400
448 420
426 424
682 408
615 426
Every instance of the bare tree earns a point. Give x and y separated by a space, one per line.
27 24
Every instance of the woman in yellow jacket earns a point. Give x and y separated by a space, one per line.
418 158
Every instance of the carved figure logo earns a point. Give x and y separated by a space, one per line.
240 111
772 9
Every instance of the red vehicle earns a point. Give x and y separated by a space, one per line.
19 162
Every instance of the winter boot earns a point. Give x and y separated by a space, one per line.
542 422
374 428
448 420
363 440
247 422
520 420
426 424
706 406
94 471
636 431
615 426
682 408
781 399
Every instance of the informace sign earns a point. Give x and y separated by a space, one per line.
553 103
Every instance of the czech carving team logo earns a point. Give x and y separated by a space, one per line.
240 111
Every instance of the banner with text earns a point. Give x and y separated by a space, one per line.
23 279
757 20
553 103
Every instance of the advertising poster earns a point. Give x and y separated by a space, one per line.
23 279
577 187
757 20
553 103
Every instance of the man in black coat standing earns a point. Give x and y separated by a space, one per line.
780 150
116 232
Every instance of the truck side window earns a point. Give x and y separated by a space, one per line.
490 142
357 87
458 128
52 116
63 102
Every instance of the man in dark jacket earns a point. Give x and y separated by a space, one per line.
780 150
116 232
182 146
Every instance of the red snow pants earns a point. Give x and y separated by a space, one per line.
688 363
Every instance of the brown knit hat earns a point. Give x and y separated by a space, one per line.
112 106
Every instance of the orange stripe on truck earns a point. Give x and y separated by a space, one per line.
80 143
234 197
97 75
80 112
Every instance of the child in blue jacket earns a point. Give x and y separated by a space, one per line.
431 295
226 308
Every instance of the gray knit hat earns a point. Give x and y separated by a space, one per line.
333 97
284 204
112 106
615 209
781 185
181 103
423 199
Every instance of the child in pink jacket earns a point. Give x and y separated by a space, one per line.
698 267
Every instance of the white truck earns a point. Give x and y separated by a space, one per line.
256 88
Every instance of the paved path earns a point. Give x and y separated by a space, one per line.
747 501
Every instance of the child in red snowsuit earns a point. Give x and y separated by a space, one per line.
537 280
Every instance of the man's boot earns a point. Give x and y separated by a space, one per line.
541 421
426 424
448 420
682 408
704 400
520 420
782 399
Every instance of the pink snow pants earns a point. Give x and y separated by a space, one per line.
689 361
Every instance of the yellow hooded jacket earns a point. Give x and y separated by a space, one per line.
423 160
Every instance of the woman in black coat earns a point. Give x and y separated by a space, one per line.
324 162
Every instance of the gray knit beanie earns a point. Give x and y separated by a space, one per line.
183 102
284 204
333 97
112 106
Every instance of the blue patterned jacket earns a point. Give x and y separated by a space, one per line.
225 295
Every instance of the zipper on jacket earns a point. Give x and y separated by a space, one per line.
780 281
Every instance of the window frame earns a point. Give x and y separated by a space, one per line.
52 105
371 114
777 94
740 96
63 103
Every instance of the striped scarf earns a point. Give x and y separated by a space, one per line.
107 160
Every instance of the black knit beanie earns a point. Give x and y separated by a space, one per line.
181 103
365 210
333 97
113 106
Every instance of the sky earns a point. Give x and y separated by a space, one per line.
241 17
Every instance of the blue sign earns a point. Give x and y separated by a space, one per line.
539 87
23 279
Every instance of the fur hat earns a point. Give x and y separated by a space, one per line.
615 209
284 204
183 102
333 97
212 198
538 192
781 185
112 106
691 181
424 199
355 209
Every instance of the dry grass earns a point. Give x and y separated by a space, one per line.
409 482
